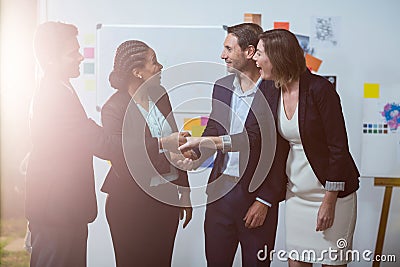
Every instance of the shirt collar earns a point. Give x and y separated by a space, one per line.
237 89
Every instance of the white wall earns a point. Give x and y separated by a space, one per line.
368 52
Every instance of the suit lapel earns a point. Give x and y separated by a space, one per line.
223 105
303 95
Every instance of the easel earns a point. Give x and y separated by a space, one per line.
388 183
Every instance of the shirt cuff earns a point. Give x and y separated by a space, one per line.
334 186
226 143
160 150
264 202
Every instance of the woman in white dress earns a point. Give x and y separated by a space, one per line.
321 202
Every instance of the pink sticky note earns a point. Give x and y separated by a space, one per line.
88 52
204 121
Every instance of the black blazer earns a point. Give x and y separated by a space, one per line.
60 181
140 146
272 189
322 131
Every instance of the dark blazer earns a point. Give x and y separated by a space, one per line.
60 181
272 189
140 146
322 131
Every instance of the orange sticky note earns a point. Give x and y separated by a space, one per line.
371 90
189 123
281 25
312 62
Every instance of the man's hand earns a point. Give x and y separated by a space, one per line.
208 142
173 141
186 207
256 215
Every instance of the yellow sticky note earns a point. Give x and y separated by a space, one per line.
371 90
189 123
197 131
89 39
90 85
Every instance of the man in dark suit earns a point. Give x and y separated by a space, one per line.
60 190
241 135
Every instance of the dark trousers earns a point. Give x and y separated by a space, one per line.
224 230
143 229
58 246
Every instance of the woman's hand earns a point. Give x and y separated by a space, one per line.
326 212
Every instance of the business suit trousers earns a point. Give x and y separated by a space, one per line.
58 246
225 229
143 229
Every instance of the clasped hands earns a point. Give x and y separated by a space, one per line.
180 146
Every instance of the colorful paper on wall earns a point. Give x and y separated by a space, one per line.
304 42
313 63
325 31
190 122
88 68
89 39
254 18
88 52
371 90
90 85
197 131
281 25
204 121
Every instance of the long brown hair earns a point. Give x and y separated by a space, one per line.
285 54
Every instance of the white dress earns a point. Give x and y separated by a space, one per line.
304 196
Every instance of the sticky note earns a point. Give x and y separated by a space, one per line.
88 68
88 52
89 39
371 90
281 25
189 123
204 121
312 62
90 85
197 131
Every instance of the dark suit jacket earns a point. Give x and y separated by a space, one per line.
248 142
60 181
322 131
140 147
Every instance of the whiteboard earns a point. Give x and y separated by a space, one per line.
190 56
380 148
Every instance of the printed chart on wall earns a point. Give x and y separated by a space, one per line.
380 149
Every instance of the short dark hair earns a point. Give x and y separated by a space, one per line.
285 54
246 33
129 55
50 39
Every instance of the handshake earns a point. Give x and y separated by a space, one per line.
180 146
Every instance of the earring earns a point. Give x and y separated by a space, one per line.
140 76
